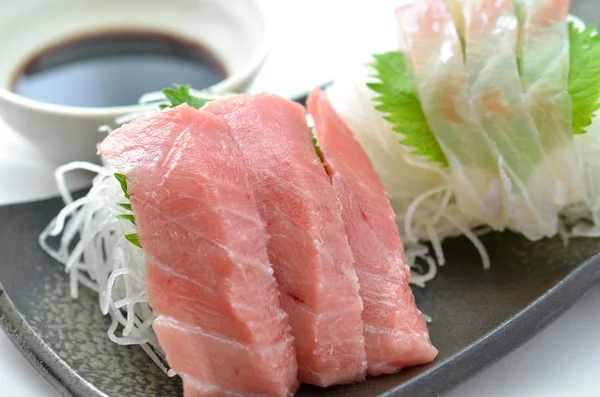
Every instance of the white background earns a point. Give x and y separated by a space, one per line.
312 41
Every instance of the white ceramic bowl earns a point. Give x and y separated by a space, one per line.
234 30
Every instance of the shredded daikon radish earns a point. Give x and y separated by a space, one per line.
427 318
93 248
419 279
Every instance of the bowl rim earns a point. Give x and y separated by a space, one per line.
223 86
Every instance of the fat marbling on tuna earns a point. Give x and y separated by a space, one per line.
308 246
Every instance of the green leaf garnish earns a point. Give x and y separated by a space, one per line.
123 181
181 94
127 217
133 239
584 76
318 151
400 103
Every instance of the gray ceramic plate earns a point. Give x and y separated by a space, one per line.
479 316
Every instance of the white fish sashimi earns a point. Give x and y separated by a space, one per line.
491 33
436 60
545 62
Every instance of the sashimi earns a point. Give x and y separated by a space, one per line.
308 247
395 332
545 73
491 35
218 312
435 58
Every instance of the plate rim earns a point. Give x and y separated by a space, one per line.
508 336
61 376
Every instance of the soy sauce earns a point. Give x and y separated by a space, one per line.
115 69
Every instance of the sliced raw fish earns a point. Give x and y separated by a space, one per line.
545 60
308 246
491 36
219 315
395 332
435 59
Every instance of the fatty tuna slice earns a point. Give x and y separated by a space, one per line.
308 247
395 332
219 315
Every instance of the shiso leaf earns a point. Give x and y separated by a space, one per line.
127 217
584 75
181 94
133 238
123 181
400 104
318 151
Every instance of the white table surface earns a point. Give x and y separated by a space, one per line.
311 41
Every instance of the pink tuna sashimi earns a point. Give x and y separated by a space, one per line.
395 332
210 284
308 247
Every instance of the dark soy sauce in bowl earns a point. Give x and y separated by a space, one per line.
115 69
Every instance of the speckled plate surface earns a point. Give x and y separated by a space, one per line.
479 316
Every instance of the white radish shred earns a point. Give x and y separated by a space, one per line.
93 248
427 318
420 279
410 211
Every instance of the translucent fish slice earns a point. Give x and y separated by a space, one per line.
544 59
491 33
437 65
